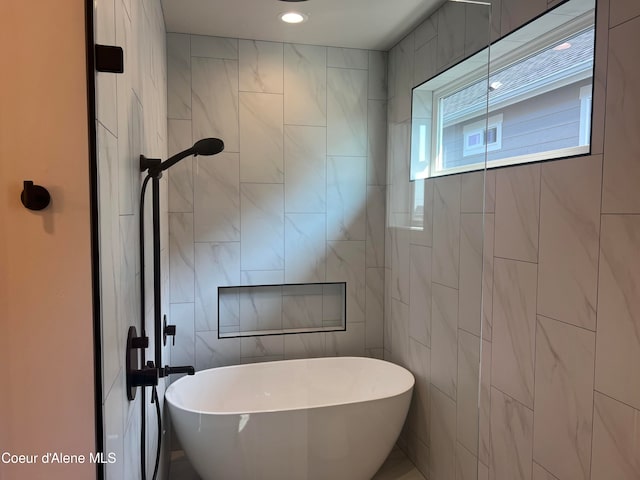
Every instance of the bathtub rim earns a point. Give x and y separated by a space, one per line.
404 370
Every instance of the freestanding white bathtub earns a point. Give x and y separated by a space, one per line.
311 419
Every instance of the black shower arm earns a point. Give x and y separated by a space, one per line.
155 166
206 146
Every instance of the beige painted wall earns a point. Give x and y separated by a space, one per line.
46 400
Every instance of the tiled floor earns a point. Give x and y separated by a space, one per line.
396 467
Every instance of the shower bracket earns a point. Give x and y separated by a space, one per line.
152 165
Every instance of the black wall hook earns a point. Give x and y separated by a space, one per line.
34 197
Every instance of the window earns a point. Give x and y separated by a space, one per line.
535 104
482 135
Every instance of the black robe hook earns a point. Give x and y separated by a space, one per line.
35 197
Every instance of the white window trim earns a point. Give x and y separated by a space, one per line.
586 93
437 169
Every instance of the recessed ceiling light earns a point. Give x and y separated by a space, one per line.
293 17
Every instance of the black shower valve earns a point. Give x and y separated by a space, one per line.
145 377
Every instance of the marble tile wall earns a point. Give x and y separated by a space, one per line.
131 112
547 277
298 196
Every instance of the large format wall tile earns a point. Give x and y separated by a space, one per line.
621 174
217 264
376 203
215 100
109 233
446 231
398 149
305 85
466 464
623 10
217 198
346 112
444 338
540 473
304 237
616 440
420 294
130 147
212 352
467 390
618 340
261 66
472 192
183 349
425 62
181 257
484 405
471 272
377 142
399 263
518 212
260 309
346 198
478 31
419 412
422 228
401 72
305 181
261 138
451 20
346 263
511 438
374 308
377 75
262 226
348 58
346 344
261 348
487 275
309 345
399 322
303 309
426 31
515 13
178 76
569 238
181 174
214 47
443 436
514 329
563 398
106 83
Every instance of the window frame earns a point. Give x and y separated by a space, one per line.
556 35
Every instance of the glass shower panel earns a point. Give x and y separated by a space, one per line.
545 63
446 236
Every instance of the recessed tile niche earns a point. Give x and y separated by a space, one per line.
245 311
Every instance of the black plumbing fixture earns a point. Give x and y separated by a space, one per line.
149 374
154 168
34 197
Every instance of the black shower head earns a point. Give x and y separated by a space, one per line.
206 146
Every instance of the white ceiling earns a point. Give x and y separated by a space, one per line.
369 24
